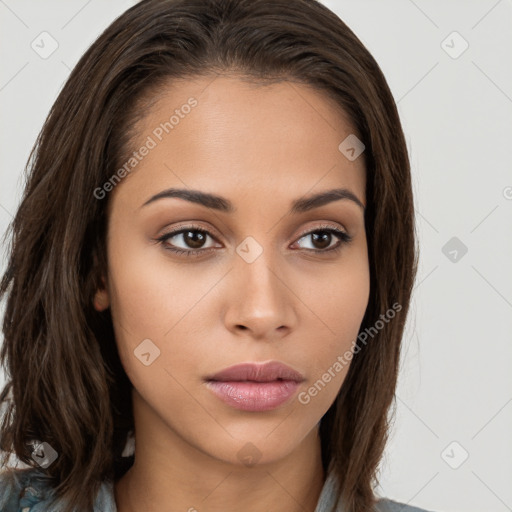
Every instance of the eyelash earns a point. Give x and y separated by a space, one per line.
343 237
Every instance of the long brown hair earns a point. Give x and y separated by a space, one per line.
66 384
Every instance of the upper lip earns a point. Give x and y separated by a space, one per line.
257 372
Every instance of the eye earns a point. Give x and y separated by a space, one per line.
194 238
324 236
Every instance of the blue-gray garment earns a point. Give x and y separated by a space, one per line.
27 490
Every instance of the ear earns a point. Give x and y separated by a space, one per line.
101 297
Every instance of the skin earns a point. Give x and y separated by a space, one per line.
260 147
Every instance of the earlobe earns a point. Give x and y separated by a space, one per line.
101 299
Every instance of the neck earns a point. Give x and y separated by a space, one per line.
187 479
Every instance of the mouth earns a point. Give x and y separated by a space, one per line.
255 387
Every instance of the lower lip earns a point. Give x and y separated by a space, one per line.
254 396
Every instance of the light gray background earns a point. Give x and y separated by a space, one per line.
456 383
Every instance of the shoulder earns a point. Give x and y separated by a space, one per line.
385 505
20 488
24 488
327 496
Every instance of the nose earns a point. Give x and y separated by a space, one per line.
261 303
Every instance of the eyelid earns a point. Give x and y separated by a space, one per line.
191 226
325 225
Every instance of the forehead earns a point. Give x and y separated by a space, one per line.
220 133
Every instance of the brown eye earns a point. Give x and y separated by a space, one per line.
323 238
192 241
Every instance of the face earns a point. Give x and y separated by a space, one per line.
244 277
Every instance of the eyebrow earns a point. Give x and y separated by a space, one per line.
222 204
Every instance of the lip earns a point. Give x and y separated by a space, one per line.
254 386
257 372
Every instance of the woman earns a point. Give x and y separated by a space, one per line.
212 263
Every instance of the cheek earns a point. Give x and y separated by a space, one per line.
344 299
151 300
146 297
338 303
338 294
